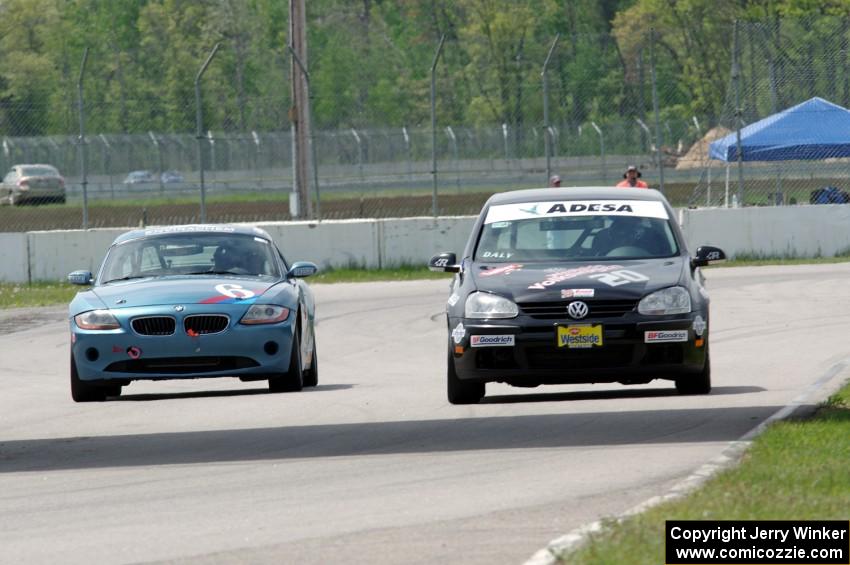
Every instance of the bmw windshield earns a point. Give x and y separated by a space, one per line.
576 230
190 254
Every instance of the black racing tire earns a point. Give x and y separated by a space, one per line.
461 392
82 391
311 375
293 379
696 384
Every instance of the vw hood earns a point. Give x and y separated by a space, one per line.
541 282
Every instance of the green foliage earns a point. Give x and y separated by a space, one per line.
797 470
27 43
22 295
359 274
370 62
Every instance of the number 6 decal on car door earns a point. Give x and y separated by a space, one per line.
621 277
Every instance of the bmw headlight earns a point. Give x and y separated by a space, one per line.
264 314
486 305
96 320
673 300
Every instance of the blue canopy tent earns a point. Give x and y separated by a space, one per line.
814 130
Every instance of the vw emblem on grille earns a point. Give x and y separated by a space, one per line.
577 310
178 308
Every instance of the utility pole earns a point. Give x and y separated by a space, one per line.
658 155
739 114
434 207
83 161
299 114
547 134
199 130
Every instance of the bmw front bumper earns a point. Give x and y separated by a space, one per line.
246 351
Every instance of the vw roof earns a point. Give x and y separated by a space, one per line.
576 193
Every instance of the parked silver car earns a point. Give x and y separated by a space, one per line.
32 183
140 177
171 177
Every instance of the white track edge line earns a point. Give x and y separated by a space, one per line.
730 455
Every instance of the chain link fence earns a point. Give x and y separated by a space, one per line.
501 123
776 65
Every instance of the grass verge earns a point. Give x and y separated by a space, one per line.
796 470
47 294
23 295
406 273
757 261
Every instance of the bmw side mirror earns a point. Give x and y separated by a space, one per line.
707 255
444 263
302 269
80 277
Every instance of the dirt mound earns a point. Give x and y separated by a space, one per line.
697 155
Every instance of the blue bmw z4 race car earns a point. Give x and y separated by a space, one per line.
576 285
192 302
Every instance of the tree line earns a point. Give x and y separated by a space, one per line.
370 61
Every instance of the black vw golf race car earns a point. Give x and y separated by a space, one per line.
576 285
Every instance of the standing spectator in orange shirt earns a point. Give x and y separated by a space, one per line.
632 179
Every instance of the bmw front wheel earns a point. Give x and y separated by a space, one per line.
293 379
311 375
82 391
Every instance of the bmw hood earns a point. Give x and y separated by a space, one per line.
606 280
194 290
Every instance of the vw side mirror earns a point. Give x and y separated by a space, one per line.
444 263
706 255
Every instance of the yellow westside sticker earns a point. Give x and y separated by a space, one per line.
580 336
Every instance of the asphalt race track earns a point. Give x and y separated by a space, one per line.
374 466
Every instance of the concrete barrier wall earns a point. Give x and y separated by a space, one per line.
782 231
328 244
789 231
51 255
414 240
14 266
54 254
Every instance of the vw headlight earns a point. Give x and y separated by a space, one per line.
673 300
96 320
264 314
486 305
